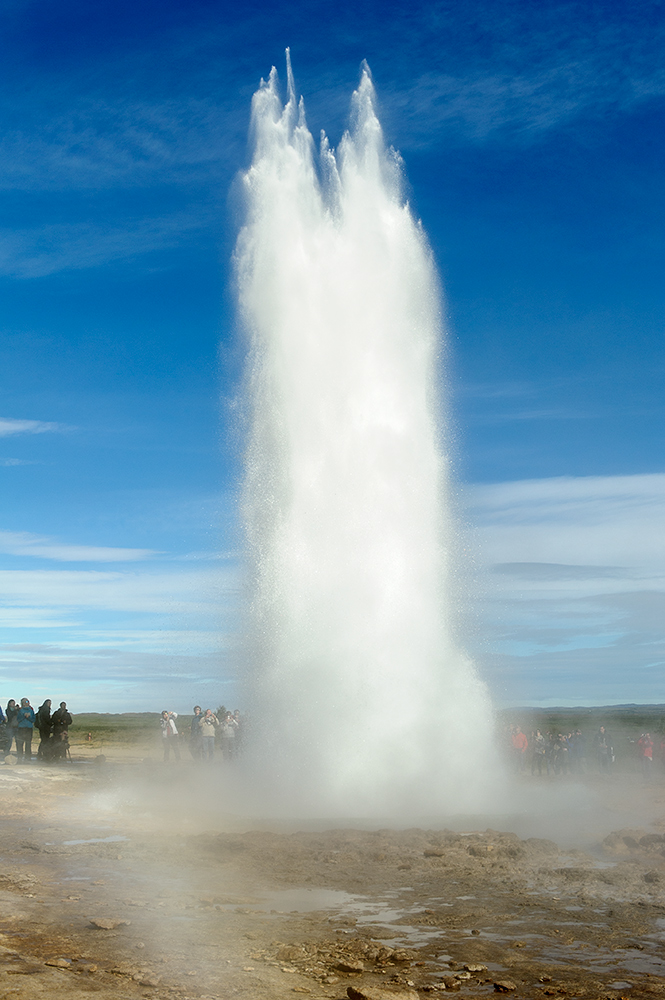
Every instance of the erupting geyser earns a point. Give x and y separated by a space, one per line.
362 701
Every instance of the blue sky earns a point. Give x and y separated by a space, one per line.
533 141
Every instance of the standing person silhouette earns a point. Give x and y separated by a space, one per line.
11 713
25 720
169 734
43 723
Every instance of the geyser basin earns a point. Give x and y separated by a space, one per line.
362 700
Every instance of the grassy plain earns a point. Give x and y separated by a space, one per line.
126 735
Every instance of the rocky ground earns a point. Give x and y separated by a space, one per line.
118 888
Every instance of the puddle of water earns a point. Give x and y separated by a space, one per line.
307 900
382 914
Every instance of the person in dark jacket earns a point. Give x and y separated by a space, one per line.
11 713
61 720
43 723
25 720
195 734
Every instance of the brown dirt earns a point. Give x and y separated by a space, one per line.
192 905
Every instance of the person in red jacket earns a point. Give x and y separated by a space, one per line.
645 743
520 743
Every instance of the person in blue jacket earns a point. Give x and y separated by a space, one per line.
25 720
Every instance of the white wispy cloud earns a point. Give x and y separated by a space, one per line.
167 593
22 543
43 250
119 640
10 426
574 587
100 142
597 74
595 520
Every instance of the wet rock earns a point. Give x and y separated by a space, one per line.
108 924
403 955
380 993
504 986
350 965
475 967
624 841
451 983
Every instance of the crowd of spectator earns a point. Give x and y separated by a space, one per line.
572 752
207 730
18 723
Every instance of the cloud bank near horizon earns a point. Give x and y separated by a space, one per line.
573 579
569 607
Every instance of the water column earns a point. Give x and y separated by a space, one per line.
362 701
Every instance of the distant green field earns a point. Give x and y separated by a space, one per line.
127 728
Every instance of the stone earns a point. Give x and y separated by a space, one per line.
379 993
451 983
350 965
59 963
107 924
504 986
87 967
651 877
474 967
434 852
289 953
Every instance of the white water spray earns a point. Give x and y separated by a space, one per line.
362 700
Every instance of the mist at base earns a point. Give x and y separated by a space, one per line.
362 700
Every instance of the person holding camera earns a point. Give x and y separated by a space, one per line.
208 724
170 734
